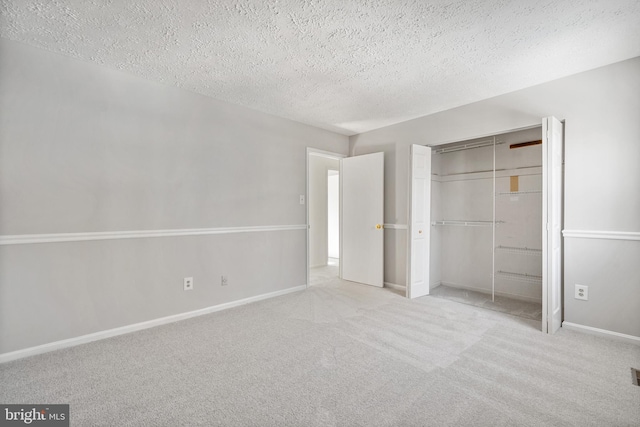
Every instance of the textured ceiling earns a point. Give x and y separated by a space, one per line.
347 66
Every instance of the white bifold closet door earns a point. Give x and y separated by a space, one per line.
552 153
419 222
362 254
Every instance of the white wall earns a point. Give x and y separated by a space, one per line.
602 178
89 149
333 212
318 208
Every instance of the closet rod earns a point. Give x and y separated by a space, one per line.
515 193
467 223
469 146
490 170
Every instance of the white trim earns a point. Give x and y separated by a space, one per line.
597 234
601 332
394 286
71 342
21 239
397 226
325 154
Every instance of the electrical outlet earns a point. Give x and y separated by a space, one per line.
188 283
224 280
582 292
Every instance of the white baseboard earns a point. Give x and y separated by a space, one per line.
71 342
601 332
395 286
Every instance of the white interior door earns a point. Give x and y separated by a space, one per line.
419 222
552 153
362 179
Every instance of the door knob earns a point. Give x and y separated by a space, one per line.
378 226
419 231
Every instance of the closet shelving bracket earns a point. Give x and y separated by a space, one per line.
518 250
529 278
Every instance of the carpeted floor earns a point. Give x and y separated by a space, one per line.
320 275
338 354
514 307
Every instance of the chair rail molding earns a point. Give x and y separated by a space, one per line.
599 234
22 239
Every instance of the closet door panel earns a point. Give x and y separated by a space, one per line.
553 140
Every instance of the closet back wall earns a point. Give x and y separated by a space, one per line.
465 251
89 149
462 183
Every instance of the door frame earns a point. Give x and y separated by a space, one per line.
329 155
545 281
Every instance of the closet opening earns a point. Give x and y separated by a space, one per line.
486 223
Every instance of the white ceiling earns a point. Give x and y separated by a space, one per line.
346 66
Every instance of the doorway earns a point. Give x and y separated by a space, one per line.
323 216
360 255
333 217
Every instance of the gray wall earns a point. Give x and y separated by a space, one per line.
318 208
602 178
89 149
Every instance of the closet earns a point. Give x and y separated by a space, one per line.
486 222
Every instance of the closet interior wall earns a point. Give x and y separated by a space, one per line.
471 246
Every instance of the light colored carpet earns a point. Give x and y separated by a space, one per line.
526 309
338 354
324 274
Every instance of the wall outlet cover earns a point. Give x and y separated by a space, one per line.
188 283
582 292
